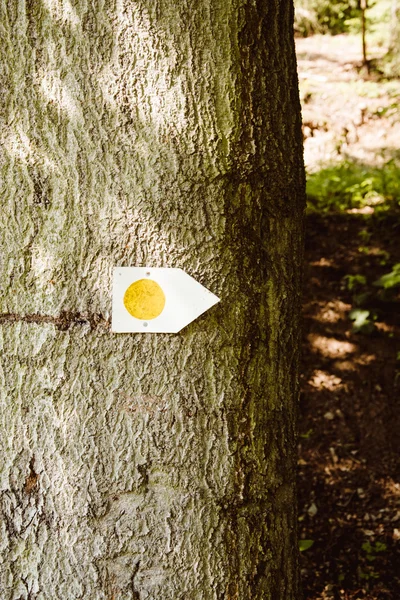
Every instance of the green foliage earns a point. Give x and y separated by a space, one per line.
305 544
370 554
387 111
390 280
340 16
355 281
362 321
350 185
365 236
372 549
307 435
390 64
369 574
325 16
365 298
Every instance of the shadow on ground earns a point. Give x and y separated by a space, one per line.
349 466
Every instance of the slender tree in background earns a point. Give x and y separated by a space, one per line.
157 133
363 8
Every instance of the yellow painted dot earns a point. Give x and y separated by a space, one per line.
144 299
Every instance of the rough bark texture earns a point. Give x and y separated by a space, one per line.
159 133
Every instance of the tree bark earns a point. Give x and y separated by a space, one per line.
157 133
391 61
394 24
363 8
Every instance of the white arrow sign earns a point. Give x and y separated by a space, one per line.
156 300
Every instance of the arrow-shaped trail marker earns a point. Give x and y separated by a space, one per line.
156 300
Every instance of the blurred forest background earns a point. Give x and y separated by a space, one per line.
349 466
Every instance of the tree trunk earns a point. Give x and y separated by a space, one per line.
363 8
391 61
394 24
157 133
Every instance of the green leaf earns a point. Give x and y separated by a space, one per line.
305 544
367 547
362 323
309 433
389 280
355 281
380 547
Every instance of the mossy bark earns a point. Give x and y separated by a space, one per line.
157 133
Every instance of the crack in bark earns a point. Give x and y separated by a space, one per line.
32 479
63 321
135 591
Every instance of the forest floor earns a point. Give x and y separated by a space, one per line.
349 451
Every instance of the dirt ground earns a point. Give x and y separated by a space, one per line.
349 459
346 113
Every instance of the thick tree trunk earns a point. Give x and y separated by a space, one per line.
157 133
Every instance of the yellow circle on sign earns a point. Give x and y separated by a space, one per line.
144 299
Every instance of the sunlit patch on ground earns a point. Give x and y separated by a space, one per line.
341 110
323 262
349 443
349 462
331 347
365 210
322 379
366 359
327 312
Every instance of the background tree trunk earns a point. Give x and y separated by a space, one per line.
394 24
159 133
363 8
392 58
